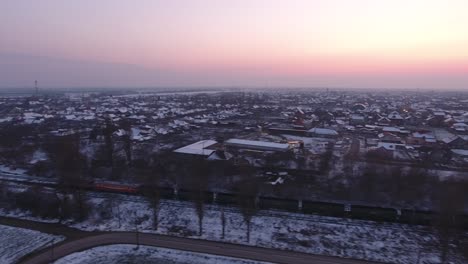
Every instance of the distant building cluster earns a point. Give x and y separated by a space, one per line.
287 129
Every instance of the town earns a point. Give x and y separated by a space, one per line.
391 156
325 137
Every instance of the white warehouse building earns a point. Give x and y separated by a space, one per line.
256 145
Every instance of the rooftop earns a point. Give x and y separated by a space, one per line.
323 131
198 148
257 144
461 152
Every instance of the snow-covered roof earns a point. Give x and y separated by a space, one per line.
356 117
460 125
391 129
395 115
256 144
450 139
120 132
461 152
388 146
220 155
198 148
323 131
423 135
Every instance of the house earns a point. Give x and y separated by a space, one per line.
460 127
391 130
454 141
389 138
390 146
421 138
383 121
395 118
460 156
385 150
358 107
356 119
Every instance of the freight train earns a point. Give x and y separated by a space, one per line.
334 209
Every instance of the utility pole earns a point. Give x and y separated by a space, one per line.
52 250
137 235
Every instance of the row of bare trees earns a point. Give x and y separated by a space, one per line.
63 202
71 172
198 175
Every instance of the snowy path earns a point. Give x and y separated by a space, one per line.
145 254
186 244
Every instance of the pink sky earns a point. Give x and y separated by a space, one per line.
250 42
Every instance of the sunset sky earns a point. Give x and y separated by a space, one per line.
288 43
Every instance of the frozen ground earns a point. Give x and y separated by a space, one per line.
391 243
144 254
18 242
11 171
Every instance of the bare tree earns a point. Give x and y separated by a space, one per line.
200 209
70 169
152 191
247 192
349 176
127 139
367 183
109 145
324 165
414 186
448 223
3 191
223 224
396 180
200 179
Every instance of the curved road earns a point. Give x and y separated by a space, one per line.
194 245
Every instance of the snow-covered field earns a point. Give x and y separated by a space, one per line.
144 254
8 170
18 242
391 243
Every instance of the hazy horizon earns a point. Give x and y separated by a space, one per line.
338 44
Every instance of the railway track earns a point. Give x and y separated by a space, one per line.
231 205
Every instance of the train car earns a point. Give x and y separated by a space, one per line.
183 194
191 195
207 196
374 213
164 192
226 199
167 193
416 217
118 188
323 208
266 203
463 221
